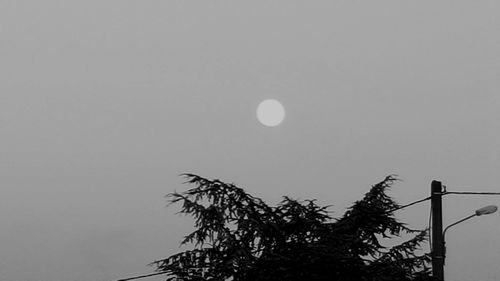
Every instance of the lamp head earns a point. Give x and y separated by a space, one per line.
486 210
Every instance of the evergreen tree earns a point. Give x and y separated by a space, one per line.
239 237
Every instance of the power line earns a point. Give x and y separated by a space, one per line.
470 193
408 205
144 276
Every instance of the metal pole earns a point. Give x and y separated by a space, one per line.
437 231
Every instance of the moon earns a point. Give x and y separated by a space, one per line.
270 113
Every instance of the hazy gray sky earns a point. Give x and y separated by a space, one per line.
104 103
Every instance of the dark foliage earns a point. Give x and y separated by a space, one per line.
239 237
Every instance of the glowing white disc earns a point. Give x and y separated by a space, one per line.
270 113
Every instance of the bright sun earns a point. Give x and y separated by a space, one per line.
270 113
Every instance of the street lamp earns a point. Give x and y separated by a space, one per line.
479 212
486 210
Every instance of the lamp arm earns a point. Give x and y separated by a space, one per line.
455 223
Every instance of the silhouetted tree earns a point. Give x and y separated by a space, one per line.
239 237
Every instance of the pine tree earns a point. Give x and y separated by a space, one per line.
239 237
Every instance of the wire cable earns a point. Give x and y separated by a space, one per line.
143 276
471 193
408 205
429 227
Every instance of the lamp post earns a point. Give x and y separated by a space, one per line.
479 212
438 242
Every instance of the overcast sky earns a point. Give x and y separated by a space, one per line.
104 103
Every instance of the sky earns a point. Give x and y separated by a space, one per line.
104 103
